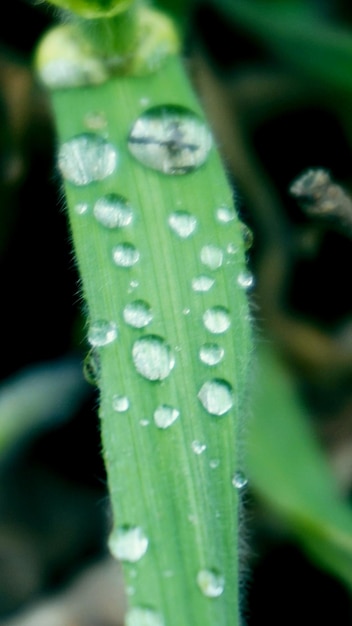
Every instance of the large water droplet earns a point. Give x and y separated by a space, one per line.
87 158
137 314
165 415
128 543
245 279
202 283
225 214
140 616
239 480
216 396
182 223
211 353
113 211
125 255
171 139
217 320
120 403
198 447
101 333
211 256
152 357
210 582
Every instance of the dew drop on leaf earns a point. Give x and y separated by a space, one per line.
210 582
202 283
92 367
113 211
137 314
165 415
225 214
248 237
141 616
211 354
216 396
245 279
239 480
120 403
171 139
125 255
211 256
128 543
101 333
198 447
86 158
183 224
152 357
217 320
81 208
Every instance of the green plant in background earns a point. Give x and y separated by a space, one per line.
161 254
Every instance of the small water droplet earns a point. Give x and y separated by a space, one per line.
198 447
137 314
101 333
210 582
87 158
95 120
211 256
216 396
232 248
211 353
140 616
217 320
186 311
144 422
134 284
120 403
170 139
92 367
125 255
239 480
182 223
152 357
81 208
128 543
113 211
248 237
144 101
245 279
202 283
165 415
214 463
225 214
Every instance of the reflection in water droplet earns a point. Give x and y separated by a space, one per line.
239 480
182 223
211 353
81 208
137 314
120 403
198 447
245 279
128 543
225 214
216 396
214 463
113 211
92 367
165 415
152 357
171 139
140 616
211 583
86 158
202 283
95 120
125 255
217 320
211 256
101 333
248 237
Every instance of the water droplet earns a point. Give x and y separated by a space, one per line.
144 101
95 120
152 357
216 396
120 403
245 279
170 139
211 353
137 314
140 616
232 248
214 463
87 158
92 367
198 447
113 211
211 583
239 480
165 415
101 333
134 284
225 214
81 208
248 237
144 422
186 311
125 255
211 256
202 283
182 223
217 320
128 543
